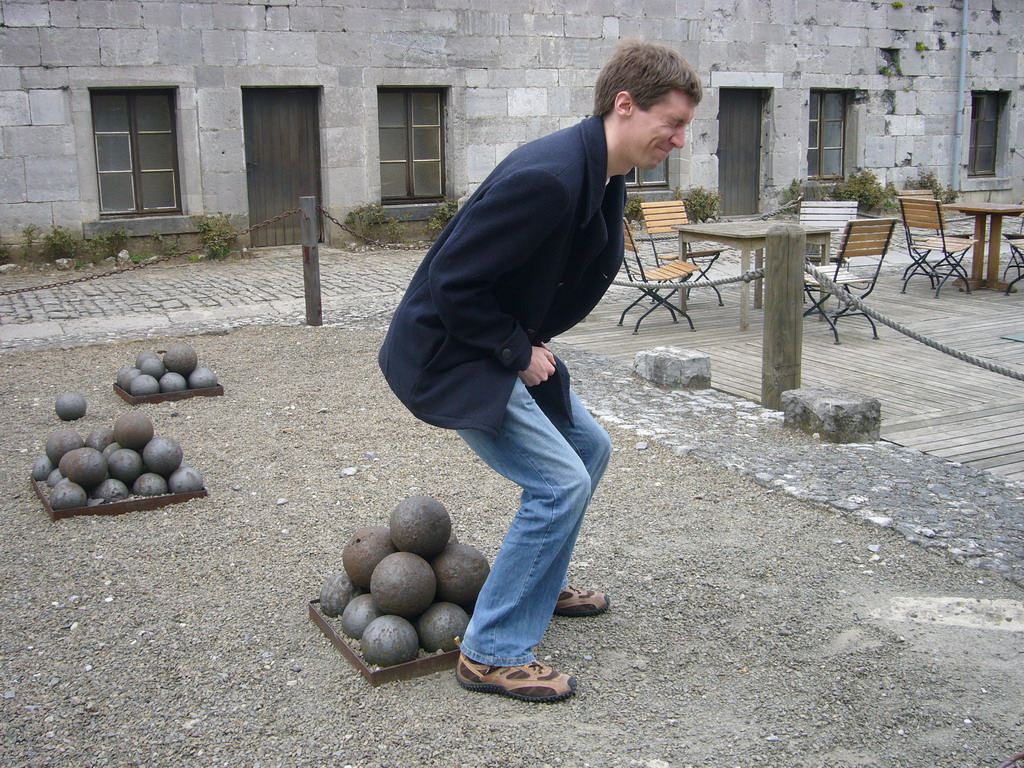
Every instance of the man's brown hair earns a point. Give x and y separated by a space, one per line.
647 71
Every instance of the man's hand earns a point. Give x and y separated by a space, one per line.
542 366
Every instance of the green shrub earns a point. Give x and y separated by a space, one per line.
373 222
867 190
633 212
701 204
925 180
109 245
791 193
5 254
445 212
217 234
58 243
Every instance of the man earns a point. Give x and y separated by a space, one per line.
529 256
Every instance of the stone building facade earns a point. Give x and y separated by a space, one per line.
143 113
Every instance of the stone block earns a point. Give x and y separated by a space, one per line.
674 367
838 416
49 106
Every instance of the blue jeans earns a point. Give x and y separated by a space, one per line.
558 465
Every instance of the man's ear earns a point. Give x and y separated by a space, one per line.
624 104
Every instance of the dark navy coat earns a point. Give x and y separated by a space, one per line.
528 256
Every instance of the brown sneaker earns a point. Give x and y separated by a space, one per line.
529 682
581 602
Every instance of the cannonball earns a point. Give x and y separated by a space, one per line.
84 466
162 455
201 378
185 480
144 355
68 495
124 377
70 406
173 382
420 525
461 571
152 366
53 478
403 584
114 446
99 438
336 592
125 465
439 625
42 468
358 614
389 640
60 442
181 358
110 489
143 385
367 547
133 430
149 484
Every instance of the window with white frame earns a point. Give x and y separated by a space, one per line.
826 132
411 135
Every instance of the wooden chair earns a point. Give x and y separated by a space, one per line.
867 241
661 218
934 253
827 213
672 274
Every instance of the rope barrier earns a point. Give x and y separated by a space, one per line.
746 277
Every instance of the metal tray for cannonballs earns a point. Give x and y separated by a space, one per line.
161 397
410 669
115 507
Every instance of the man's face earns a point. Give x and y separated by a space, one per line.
655 132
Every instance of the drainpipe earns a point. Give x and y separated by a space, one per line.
958 132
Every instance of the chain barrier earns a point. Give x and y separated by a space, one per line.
147 262
366 238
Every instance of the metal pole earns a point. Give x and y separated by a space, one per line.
311 260
781 349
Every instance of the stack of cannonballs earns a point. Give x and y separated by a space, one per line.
110 465
407 586
176 371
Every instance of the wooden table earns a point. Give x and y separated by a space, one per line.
747 237
994 212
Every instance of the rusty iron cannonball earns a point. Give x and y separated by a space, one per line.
110 489
60 442
68 495
403 584
144 355
42 468
153 366
202 378
461 571
115 446
421 525
53 478
149 484
125 465
185 479
181 358
133 430
124 377
162 455
367 547
389 640
100 438
439 625
70 406
336 593
143 385
173 382
358 614
84 466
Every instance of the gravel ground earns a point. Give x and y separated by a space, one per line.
749 628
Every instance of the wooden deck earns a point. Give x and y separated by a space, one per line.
930 401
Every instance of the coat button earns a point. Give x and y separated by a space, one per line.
506 355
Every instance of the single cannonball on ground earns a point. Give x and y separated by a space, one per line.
149 484
367 547
70 406
389 640
336 592
84 466
53 478
125 465
439 625
185 480
68 495
99 438
42 468
133 430
420 525
110 489
358 614
201 378
144 355
60 442
181 358
124 377
461 571
153 366
173 382
162 455
144 384
403 584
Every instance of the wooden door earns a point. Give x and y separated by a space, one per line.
739 150
282 158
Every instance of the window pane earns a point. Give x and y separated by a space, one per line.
987 133
833 135
156 152
991 107
158 190
426 144
834 106
391 109
110 112
392 180
815 102
116 194
631 177
427 179
153 112
812 134
113 153
832 162
657 175
426 109
392 144
812 164
986 160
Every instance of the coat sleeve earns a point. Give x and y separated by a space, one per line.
504 229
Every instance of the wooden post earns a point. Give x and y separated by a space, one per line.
783 313
311 260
